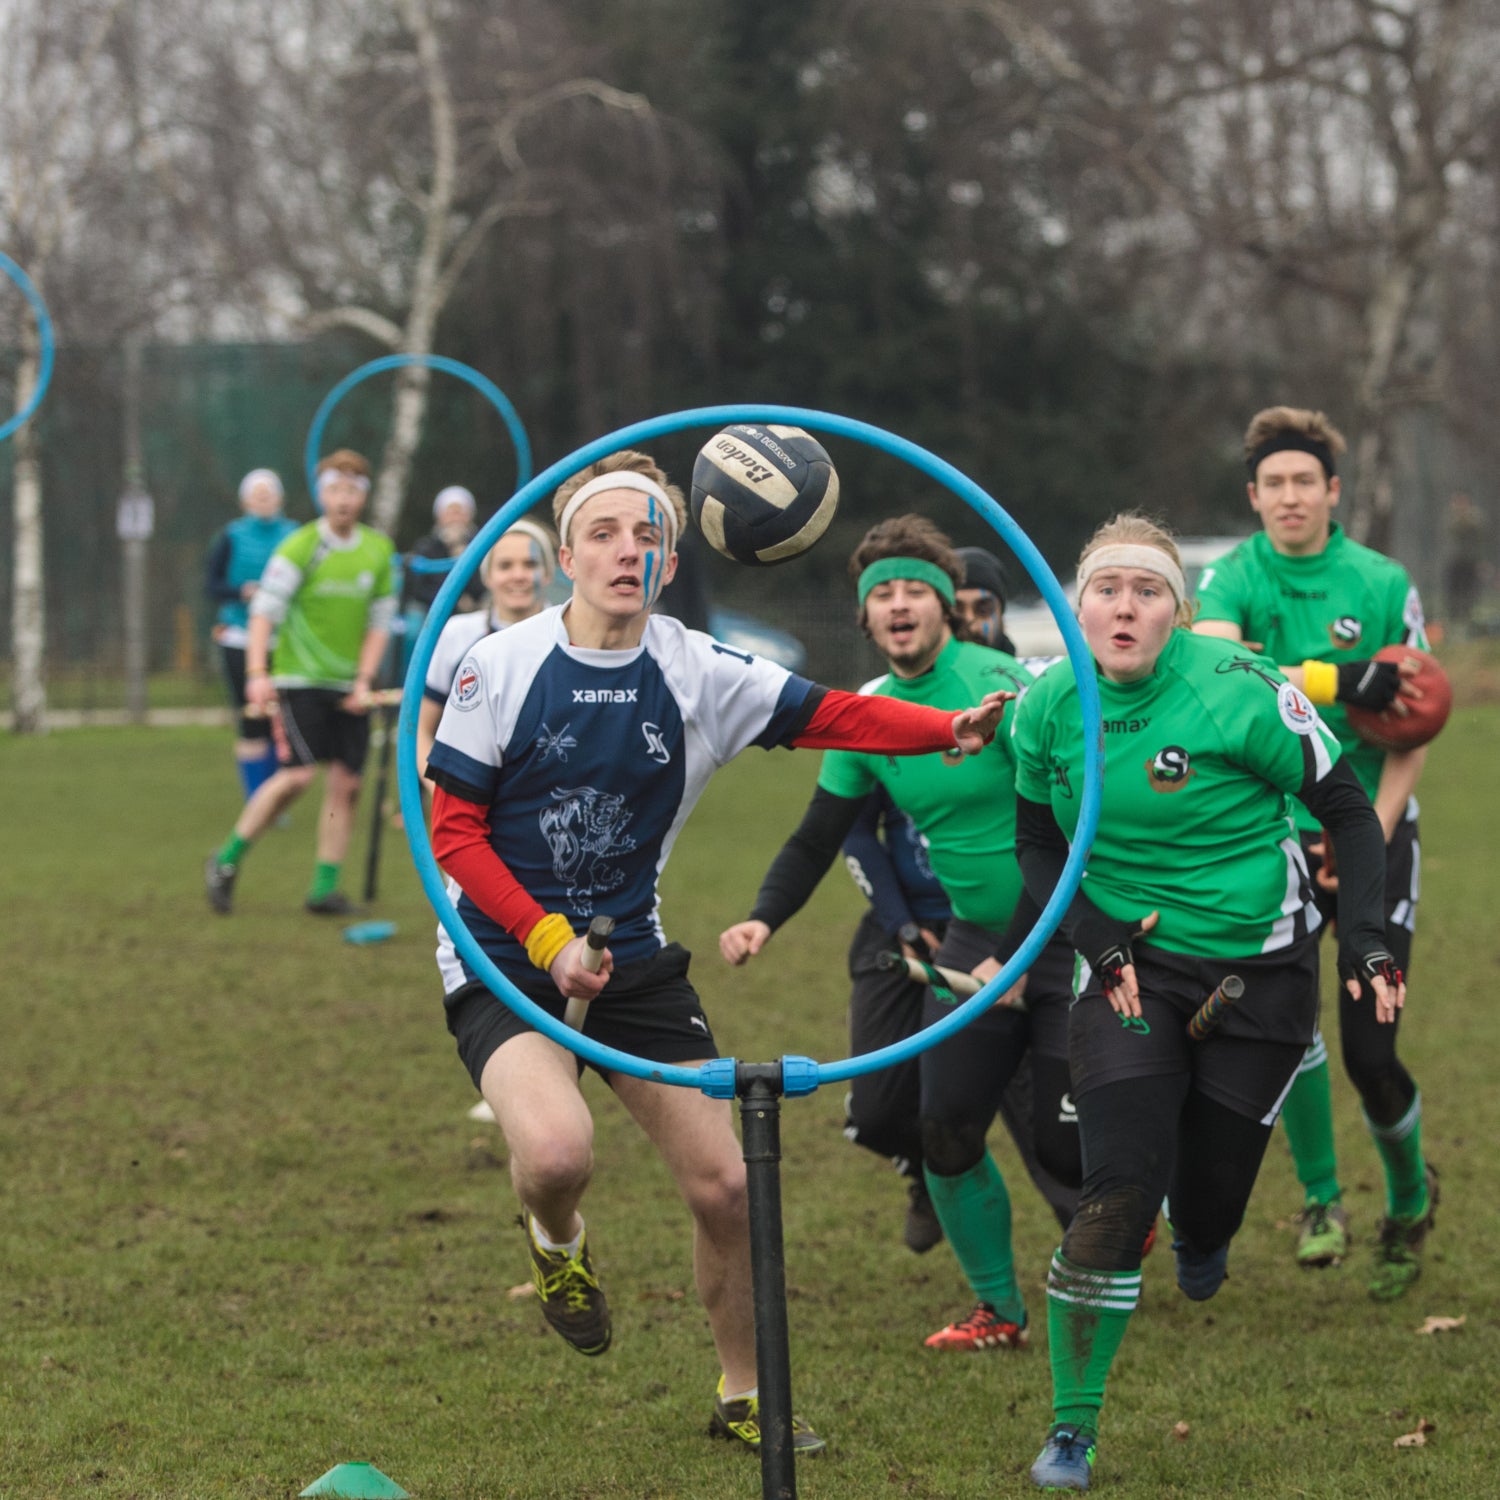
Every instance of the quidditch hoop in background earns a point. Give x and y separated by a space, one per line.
802 1075
44 329
481 383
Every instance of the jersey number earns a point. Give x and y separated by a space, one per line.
730 651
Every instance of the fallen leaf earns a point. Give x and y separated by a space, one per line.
673 1294
1417 1439
526 1289
1442 1325
1180 1432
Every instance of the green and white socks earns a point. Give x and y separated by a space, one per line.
1087 1314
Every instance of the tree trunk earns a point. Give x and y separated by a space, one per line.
28 628
407 416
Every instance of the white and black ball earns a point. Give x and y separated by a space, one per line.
763 495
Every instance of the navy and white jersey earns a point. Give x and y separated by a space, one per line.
459 636
590 762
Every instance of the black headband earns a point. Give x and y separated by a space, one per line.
1297 443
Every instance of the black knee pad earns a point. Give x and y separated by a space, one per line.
1107 1232
950 1147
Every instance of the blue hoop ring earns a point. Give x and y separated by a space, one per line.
481 383
800 1075
44 327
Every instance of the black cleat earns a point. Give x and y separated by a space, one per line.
739 1421
218 884
572 1300
923 1229
334 904
1398 1255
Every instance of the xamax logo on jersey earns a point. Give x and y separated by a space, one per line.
1346 631
1170 769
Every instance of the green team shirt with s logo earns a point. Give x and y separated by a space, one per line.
1342 604
963 805
1199 760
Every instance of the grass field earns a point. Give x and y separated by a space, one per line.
246 1231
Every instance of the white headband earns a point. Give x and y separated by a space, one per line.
1134 555
538 534
261 476
329 475
626 480
454 494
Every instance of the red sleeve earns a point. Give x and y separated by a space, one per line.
461 844
881 726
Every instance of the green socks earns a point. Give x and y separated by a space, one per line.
1087 1314
325 881
1308 1117
1400 1147
974 1210
233 851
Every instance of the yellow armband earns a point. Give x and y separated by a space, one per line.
548 938
1320 681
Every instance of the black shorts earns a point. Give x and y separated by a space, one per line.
233 660
1049 984
318 730
648 1009
1246 1065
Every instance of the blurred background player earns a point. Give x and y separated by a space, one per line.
979 605
1203 743
572 748
236 558
907 576
1321 606
328 589
453 528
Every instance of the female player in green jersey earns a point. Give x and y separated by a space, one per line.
1195 874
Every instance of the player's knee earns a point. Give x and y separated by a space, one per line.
556 1166
298 778
1107 1232
950 1147
718 1196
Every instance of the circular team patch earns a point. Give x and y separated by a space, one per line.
467 686
1297 713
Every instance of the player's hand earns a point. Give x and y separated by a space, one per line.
975 727
743 940
917 942
986 969
572 979
1368 684
1323 850
1116 970
249 590
359 699
260 694
1378 970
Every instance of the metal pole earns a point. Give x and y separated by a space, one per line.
133 545
758 1087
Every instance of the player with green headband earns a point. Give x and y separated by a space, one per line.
907 575
1322 606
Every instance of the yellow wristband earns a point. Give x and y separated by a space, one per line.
548 938
1320 681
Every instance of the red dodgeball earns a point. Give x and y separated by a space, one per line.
1426 715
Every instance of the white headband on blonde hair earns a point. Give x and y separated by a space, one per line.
329 475
626 479
538 534
261 476
1134 555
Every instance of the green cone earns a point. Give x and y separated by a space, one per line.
356 1482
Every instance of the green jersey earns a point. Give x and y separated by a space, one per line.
1199 758
1342 604
963 806
326 592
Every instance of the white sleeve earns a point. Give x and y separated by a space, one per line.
278 587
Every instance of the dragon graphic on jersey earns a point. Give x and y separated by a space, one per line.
582 829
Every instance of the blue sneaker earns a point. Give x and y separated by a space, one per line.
1067 1460
1199 1275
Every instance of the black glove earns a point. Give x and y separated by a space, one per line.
1366 966
1368 684
1110 966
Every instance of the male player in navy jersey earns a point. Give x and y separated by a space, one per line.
571 750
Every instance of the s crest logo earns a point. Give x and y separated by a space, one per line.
1169 770
1346 631
656 746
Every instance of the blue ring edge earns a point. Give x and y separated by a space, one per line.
413 813
481 383
49 346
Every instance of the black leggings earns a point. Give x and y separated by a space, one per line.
1145 1139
